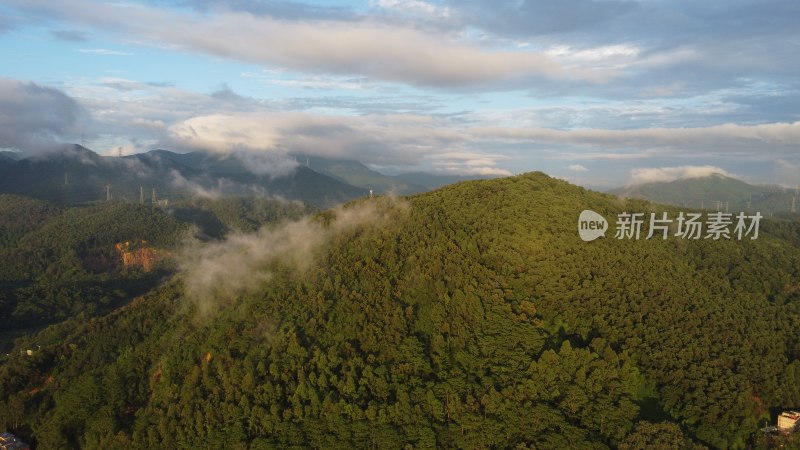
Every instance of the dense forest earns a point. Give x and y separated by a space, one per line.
468 317
60 262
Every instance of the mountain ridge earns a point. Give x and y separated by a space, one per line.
706 192
75 175
358 174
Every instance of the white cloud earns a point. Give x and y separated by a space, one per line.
609 56
365 47
378 139
273 165
577 168
102 52
468 162
227 133
385 140
665 174
415 7
321 82
140 116
178 181
781 137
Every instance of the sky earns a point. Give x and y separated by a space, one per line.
602 93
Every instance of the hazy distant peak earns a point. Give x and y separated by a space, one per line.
647 175
68 152
9 156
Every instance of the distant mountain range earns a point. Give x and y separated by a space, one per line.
76 175
9 156
357 174
713 192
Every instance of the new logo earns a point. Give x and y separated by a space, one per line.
591 225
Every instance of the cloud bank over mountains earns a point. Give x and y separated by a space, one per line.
666 174
460 87
36 118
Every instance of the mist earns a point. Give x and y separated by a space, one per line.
216 274
178 181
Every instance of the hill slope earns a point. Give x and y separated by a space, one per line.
472 316
706 192
357 174
56 263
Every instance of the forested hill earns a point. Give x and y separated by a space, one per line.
57 262
469 317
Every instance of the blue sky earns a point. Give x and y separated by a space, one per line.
601 93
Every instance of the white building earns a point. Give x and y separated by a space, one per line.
787 420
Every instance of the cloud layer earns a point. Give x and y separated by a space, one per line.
666 174
369 138
453 86
781 137
35 118
363 47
